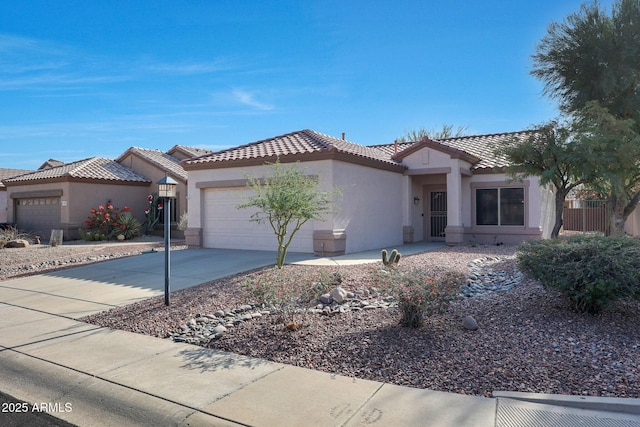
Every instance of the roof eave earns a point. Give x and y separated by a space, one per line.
297 157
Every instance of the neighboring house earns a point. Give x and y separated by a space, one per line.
452 190
60 197
6 174
51 163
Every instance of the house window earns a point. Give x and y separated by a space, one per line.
500 206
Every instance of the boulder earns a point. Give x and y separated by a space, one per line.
17 243
338 294
326 299
470 323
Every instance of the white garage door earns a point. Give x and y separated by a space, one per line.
38 215
225 226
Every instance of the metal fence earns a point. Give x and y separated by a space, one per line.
585 216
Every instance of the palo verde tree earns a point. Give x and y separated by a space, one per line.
287 200
550 154
447 131
590 63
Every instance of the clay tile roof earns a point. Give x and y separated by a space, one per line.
300 142
164 161
94 168
477 149
390 149
10 173
482 146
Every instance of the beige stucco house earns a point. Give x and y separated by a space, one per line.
60 196
451 190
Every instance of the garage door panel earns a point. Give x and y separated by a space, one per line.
225 226
38 214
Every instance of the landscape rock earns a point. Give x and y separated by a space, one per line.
325 299
470 323
17 243
338 294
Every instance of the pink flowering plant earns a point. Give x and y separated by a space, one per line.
420 293
107 222
289 290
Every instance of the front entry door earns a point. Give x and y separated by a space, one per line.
437 215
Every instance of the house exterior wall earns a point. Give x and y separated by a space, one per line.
79 197
155 174
371 208
202 180
82 197
364 191
4 207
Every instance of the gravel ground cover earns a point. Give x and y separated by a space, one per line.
528 340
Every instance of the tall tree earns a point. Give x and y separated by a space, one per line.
549 153
591 63
610 158
287 200
447 131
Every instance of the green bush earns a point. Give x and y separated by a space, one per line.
590 271
104 223
420 293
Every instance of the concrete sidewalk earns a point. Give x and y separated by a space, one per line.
90 375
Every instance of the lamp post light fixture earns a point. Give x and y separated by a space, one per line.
167 190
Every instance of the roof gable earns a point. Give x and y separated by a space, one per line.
93 168
163 161
426 142
51 163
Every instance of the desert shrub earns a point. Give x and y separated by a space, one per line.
109 222
183 224
290 290
419 292
127 225
11 232
590 271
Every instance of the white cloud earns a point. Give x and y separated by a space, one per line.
249 99
192 68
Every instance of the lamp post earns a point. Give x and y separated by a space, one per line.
167 190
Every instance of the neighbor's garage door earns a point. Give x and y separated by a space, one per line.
38 215
225 226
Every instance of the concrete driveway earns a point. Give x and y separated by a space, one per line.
81 291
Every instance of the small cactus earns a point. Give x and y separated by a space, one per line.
393 259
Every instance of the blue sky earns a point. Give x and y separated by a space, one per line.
93 78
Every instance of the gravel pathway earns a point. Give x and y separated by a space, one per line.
528 340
